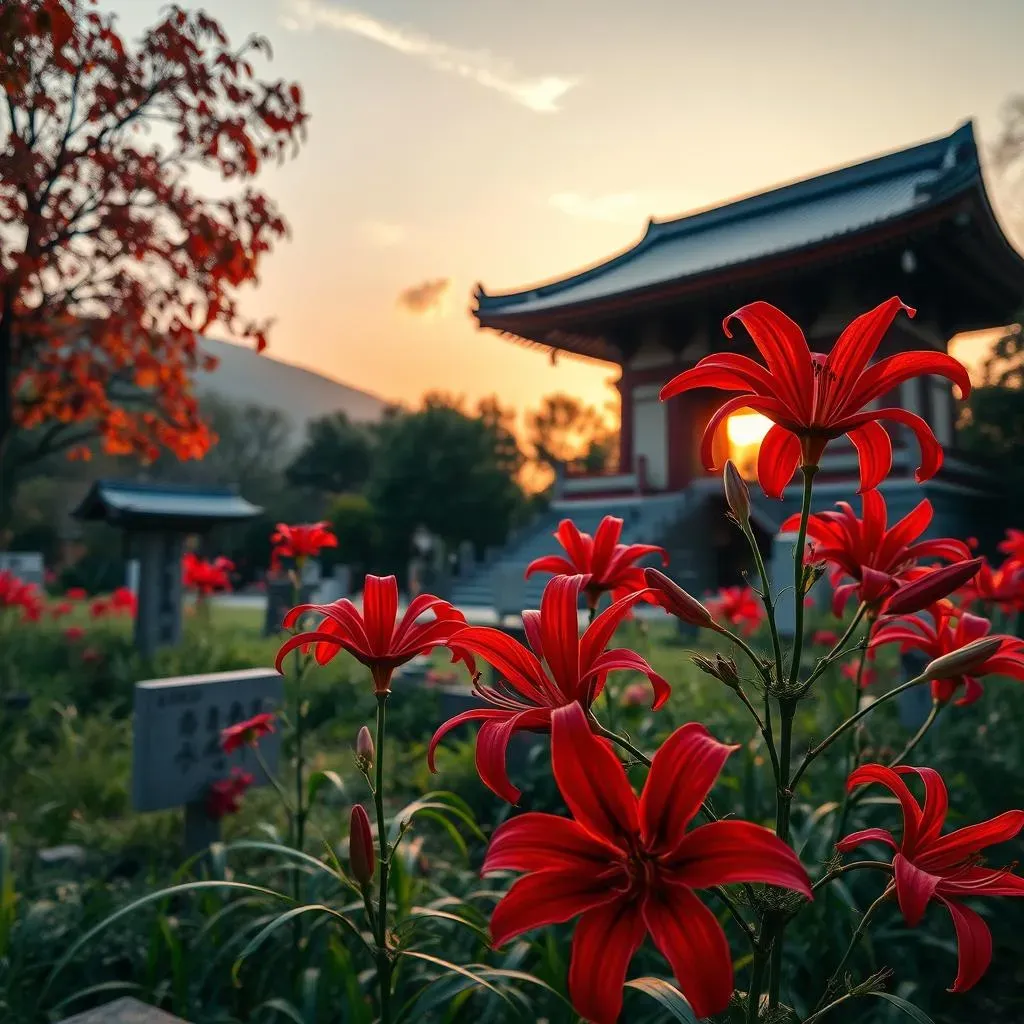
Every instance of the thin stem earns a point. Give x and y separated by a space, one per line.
766 597
937 706
787 711
720 892
857 865
836 650
851 722
764 732
383 954
747 650
817 1015
798 572
614 737
853 755
861 928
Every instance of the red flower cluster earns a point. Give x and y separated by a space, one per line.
76 594
247 733
629 867
737 605
1013 547
814 398
1002 587
559 668
375 636
206 577
608 565
73 634
931 866
876 559
225 795
16 594
948 630
301 541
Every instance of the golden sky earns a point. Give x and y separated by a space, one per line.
510 141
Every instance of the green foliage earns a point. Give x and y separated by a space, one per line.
356 526
336 456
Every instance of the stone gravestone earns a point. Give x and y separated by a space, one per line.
780 572
124 1011
132 571
26 565
509 591
280 599
176 752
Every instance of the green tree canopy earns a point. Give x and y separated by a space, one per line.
336 455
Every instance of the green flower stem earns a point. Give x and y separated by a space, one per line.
850 723
720 892
766 597
836 651
853 755
858 933
756 984
857 865
937 706
787 712
383 953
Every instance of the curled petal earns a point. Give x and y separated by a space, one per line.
770 407
560 630
726 852
603 945
578 546
591 778
974 945
473 715
936 801
931 450
724 371
492 749
536 842
892 371
874 451
867 835
777 460
511 660
620 659
971 839
887 777
692 941
555 564
914 888
682 773
380 609
543 898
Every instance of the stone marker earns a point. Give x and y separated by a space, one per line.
176 752
26 565
780 572
509 590
281 598
124 1011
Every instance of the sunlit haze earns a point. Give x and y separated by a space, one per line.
512 141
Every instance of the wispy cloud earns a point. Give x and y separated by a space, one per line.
542 94
615 207
383 234
427 298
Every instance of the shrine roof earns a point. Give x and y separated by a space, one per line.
799 216
151 505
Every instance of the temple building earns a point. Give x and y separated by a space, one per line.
917 223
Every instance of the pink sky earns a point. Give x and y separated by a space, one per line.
512 141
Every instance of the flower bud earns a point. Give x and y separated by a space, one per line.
677 601
360 846
965 660
364 749
932 587
737 495
723 669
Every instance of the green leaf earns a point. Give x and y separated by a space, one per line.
153 897
442 915
288 851
446 965
283 919
318 780
448 803
913 1012
283 1007
668 996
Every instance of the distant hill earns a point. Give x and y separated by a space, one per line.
302 395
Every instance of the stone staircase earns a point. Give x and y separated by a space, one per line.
643 522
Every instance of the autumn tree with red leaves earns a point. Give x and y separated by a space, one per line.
112 261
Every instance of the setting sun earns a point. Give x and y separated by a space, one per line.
745 431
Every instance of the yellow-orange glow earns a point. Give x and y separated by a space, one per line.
745 432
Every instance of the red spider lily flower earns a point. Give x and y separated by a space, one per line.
76 594
558 668
949 630
947 868
302 541
609 565
15 593
1002 587
206 577
737 605
676 601
868 676
814 398
634 695
1013 546
825 638
100 608
629 868
376 636
225 795
61 609
123 600
875 558
247 733
73 634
